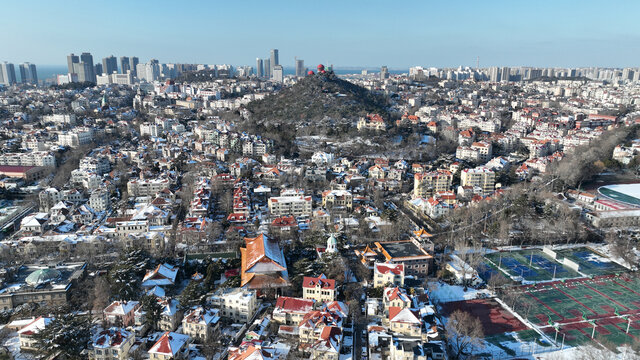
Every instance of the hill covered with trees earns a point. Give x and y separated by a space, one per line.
317 97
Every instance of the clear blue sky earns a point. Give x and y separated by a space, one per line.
346 33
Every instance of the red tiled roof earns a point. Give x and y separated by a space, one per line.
397 269
311 282
294 304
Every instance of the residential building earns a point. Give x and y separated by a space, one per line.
111 344
121 313
7 74
290 310
201 324
319 288
147 187
371 122
388 274
170 346
337 199
426 184
34 158
480 177
239 305
27 335
290 205
405 321
100 200
28 74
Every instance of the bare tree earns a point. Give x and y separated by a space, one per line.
464 334
101 294
469 255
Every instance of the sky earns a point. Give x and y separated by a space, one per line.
347 33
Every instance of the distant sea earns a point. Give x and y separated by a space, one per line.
348 71
51 71
48 71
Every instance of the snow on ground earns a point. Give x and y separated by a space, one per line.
606 251
13 344
588 352
515 347
441 292
632 190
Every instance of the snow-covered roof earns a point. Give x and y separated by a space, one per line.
121 307
170 343
35 326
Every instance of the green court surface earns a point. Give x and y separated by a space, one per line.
574 304
531 265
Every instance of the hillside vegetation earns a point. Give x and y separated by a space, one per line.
318 97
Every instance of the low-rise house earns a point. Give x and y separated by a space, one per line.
201 324
170 346
121 313
290 310
395 297
111 344
162 275
170 316
328 345
388 274
405 321
337 199
320 288
26 335
313 324
371 122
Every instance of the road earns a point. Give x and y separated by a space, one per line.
17 217
359 324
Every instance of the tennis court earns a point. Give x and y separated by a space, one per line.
591 262
611 302
531 265
495 319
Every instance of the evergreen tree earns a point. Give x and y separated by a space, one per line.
152 310
192 295
67 335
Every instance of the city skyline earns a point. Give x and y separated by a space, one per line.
441 35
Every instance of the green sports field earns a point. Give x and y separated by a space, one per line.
574 304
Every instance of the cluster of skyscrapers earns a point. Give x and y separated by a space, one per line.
524 73
28 74
81 68
270 68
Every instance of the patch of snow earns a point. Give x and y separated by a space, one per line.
441 292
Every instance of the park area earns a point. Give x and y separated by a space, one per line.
573 307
